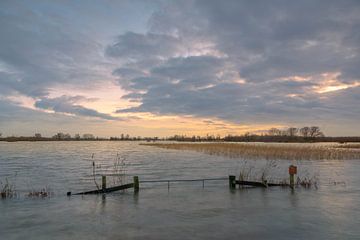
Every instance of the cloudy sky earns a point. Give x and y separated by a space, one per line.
172 67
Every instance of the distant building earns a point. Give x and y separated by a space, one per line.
77 136
37 135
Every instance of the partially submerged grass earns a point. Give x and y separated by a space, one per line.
119 170
8 190
116 172
248 171
267 151
42 193
307 182
270 172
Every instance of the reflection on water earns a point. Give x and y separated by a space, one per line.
186 211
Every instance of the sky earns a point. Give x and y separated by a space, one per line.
194 67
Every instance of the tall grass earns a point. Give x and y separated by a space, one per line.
45 192
116 172
119 169
7 189
267 151
271 173
352 146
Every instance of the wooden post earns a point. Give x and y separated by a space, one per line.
232 182
136 184
292 181
292 172
103 186
265 183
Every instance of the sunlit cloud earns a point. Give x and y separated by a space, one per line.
297 78
22 100
331 81
335 86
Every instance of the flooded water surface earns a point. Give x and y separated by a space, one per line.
186 210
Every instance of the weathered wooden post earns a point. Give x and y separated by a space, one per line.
136 184
292 172
265 183
232 182
103 185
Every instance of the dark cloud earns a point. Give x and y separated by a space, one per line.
66 104
139 46
195 70
40 53
50 45
246 61
278 38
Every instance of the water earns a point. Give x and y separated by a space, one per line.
185 211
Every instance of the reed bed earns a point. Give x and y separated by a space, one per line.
350 146
267 151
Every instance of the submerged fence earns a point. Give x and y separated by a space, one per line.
232 183
185 180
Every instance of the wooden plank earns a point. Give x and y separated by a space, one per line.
107 190
250 183
122 187
278 184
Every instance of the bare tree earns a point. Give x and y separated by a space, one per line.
274 132
292 131
315 132
305 131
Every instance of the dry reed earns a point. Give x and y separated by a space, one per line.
267 151
7 190
350 146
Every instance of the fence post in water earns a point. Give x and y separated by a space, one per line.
103 185
136 184
232 182
292 172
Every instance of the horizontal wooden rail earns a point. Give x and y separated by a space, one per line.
251 183
107 190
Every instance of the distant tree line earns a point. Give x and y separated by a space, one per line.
291 134
184 138
76 137
306 132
